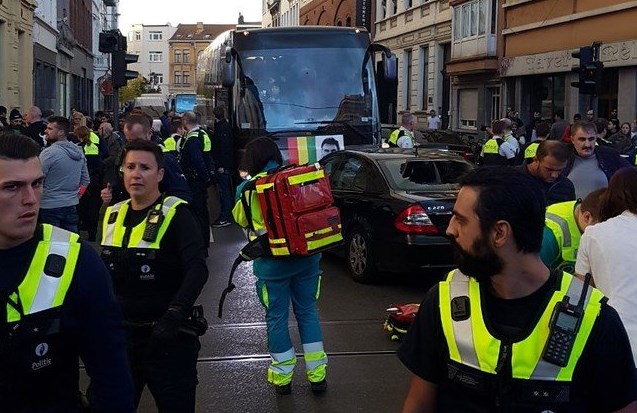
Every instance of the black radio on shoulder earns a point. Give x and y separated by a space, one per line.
154 220
564 325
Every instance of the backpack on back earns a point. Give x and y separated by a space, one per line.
298 213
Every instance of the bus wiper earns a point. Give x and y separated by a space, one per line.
337 122
273 135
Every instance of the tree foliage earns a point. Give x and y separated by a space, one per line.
133 89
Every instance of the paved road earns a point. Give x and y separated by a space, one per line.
364 375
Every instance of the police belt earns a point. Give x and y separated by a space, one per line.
195 324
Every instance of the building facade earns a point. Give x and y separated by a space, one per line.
277 13
16 53
45 34
419 33
104 18
150 42
349 13
473 68
539 37
188 41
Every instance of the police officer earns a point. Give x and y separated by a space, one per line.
89 206
478 342
57 303
280 281
403 137
565 224
195 160
496 151
152 247
172 142
137 126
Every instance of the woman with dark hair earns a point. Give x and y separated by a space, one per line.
607 250
281 280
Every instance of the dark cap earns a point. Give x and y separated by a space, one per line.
15 114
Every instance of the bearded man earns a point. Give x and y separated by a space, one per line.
505 333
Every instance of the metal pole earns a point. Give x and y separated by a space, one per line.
115 104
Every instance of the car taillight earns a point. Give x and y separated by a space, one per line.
468 156
414 220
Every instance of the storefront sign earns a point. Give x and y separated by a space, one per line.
612 54
364 14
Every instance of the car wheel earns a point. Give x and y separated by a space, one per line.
359 256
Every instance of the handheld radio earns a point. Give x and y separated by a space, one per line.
564 325
153 222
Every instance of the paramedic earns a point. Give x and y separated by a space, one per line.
280 280
152 247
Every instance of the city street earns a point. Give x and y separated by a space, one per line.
364 375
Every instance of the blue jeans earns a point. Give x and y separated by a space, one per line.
226 196
63 217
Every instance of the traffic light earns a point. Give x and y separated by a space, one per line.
110 41
589 70
121 75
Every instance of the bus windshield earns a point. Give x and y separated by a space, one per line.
307 89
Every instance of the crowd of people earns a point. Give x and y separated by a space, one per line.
139 189
541 314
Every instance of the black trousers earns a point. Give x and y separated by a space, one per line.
199 208
169 368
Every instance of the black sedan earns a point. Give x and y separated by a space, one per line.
395 207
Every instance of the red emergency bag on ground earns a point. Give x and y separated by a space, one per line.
400 318
298 210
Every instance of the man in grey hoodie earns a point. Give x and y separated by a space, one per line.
65 176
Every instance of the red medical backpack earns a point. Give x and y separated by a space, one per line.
298 210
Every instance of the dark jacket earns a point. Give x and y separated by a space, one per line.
36 131
608 159
561 190
223 145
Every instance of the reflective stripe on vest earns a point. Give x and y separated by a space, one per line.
39 291
113 232
94 138
470 342
560 219
531 150
91 149
169 145
207 146
396 135
492 146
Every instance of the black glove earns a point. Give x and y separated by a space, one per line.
168 326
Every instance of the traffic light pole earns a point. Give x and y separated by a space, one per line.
115 104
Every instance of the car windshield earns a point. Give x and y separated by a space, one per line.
423 174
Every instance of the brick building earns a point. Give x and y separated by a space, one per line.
184 48
349 13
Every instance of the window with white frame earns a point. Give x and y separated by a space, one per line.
138 36
155 35
407 80
470 19
177 56
155 57
494 96
424 77
468 108
186 56
159 78
186 78
178 78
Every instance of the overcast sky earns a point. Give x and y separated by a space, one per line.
186 11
